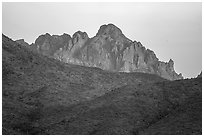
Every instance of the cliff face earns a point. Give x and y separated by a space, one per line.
108 50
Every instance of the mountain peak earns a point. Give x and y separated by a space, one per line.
171 62
22 42
110 29
80 33
47 34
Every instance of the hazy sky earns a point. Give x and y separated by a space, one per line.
171 30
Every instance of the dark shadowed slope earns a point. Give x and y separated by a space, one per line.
184 120
41 95
132 109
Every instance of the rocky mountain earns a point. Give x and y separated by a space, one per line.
108 50
44 96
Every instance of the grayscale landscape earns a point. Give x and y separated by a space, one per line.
105 84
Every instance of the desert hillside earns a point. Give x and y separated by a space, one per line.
42 95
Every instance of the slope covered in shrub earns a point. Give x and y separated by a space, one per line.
41 95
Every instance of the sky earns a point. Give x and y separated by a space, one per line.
171 30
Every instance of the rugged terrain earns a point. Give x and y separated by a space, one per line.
41 95
108 50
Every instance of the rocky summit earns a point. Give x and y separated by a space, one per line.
109 50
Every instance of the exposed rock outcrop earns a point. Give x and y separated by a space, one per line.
108 50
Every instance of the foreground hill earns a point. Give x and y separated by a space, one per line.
185 119
41 95
108 50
